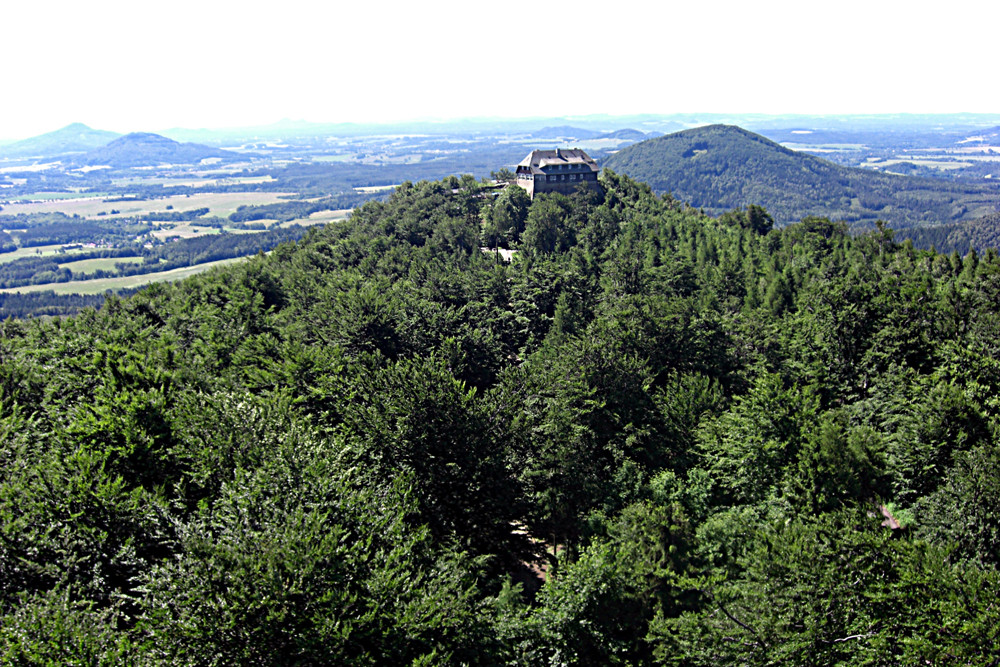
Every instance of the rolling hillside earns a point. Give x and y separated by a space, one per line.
144 148
722 167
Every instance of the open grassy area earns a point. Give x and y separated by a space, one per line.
319 218
125 282
35 251
52 197
184 230
374 188
99 264
943 165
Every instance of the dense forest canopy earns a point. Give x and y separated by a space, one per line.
653 436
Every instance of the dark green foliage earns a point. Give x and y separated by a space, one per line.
590 614
53 628
651 437
48 303
940 423
414 419
7 243
839 590
547 228
837 465
504 221
962 510
176 216
597 610
755 218
294 564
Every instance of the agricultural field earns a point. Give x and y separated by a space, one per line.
86 266
320 218
219 204
52 196
182 230
101 285
944 164
76 243
36 251
375 188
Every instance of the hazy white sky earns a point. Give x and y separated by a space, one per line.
132 65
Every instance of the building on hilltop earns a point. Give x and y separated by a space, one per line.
558 170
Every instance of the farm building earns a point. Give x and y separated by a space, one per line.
558 170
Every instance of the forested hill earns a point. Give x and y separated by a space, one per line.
144 148
364 448
722 167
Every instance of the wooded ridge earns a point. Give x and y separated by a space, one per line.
722 167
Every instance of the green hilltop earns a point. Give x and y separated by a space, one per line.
145 148
722 167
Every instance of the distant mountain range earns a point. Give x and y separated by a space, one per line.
564 131
722 167
143 148
570 132
79 145
75 138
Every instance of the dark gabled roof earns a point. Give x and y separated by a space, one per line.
537 161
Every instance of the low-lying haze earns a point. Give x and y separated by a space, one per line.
127 66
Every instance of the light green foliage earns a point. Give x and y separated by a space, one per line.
934 427
750 447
